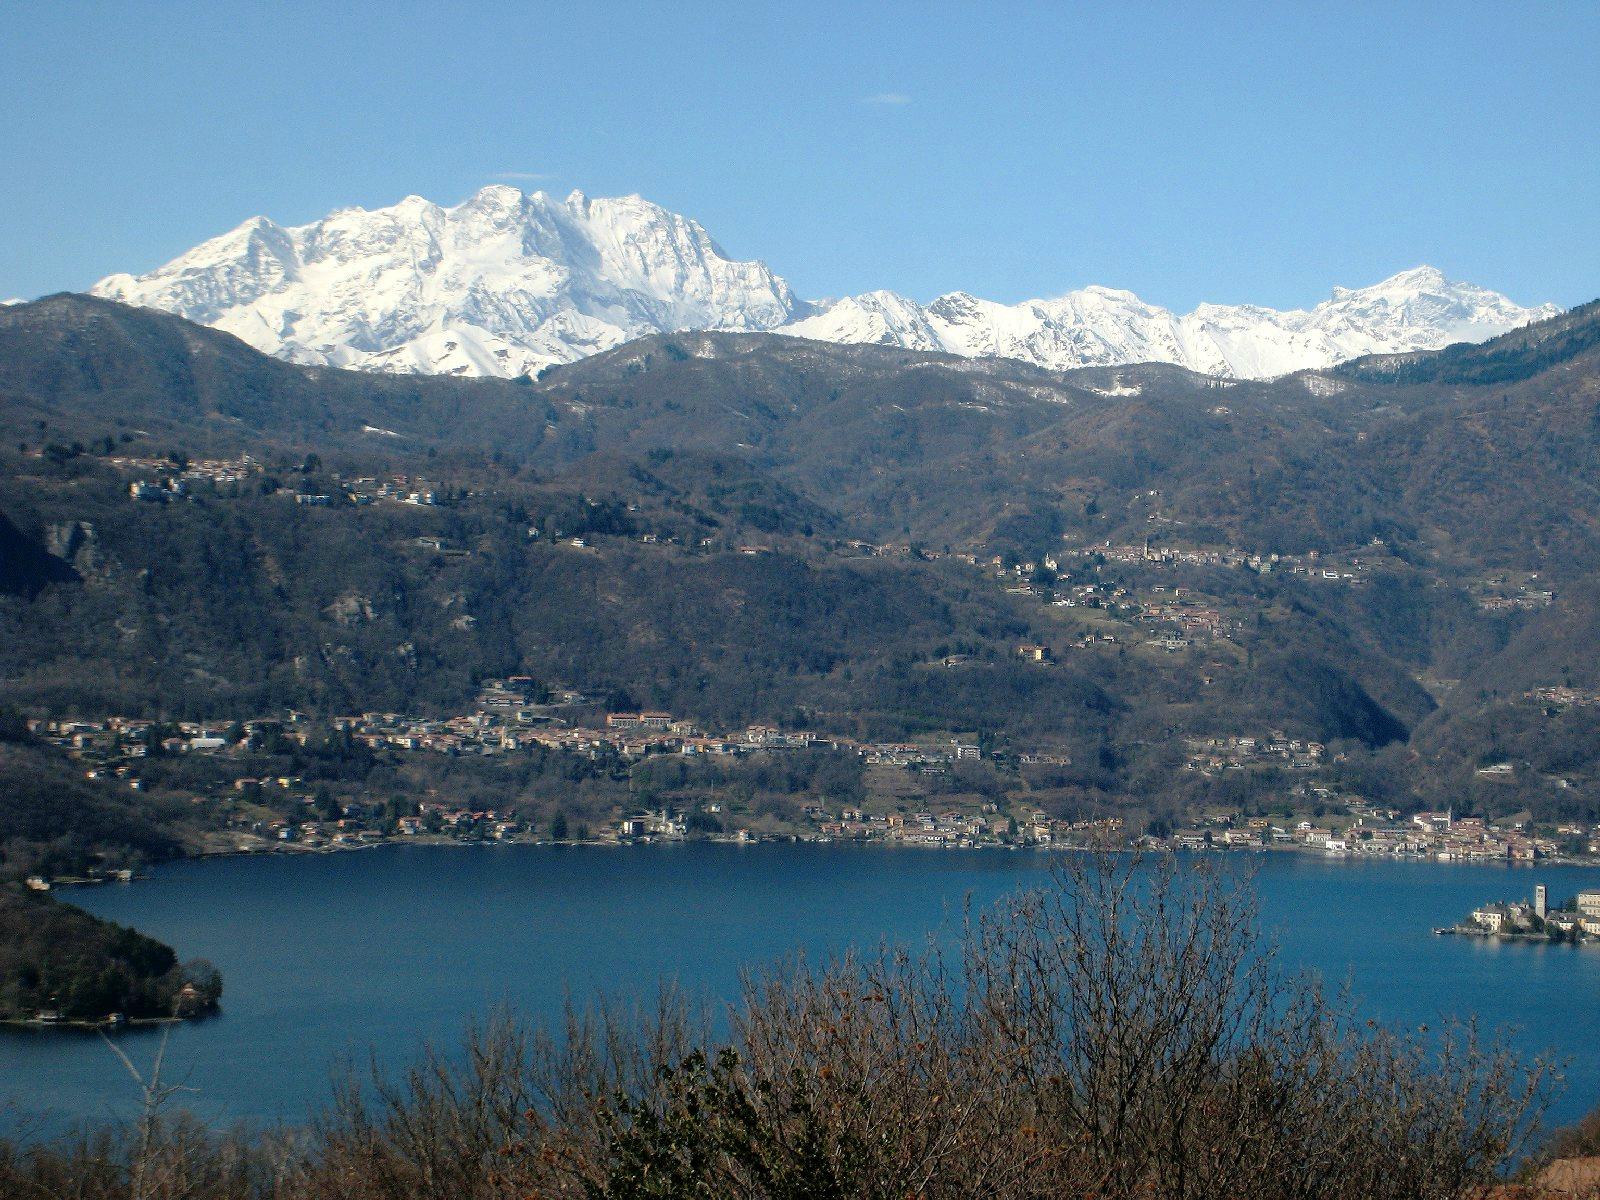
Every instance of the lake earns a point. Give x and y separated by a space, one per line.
379 951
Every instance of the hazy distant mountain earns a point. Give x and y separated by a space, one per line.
507 283
1415 310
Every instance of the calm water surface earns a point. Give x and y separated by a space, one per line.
338 955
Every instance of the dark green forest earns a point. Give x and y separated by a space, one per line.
57 958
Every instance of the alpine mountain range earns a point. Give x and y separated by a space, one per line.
509 283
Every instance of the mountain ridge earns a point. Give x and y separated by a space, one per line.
837 519
508 283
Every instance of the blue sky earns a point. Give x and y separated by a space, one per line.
1187 152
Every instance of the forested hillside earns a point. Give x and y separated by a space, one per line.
736 528
54 822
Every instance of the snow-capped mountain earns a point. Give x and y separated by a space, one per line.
507 283
502 284
1096 326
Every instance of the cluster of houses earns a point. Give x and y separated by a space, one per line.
358 827
507 719
512 714
128 736
1175 623
1380 834
955 829
1505 593
171 481
915 829
889 550
1172 556
1188 621
1091 595
368 824
1524 603
1563 697
158 492
1440 836
1448 837
167 480
1312 565
1251 833
400 489
1211 756
944 829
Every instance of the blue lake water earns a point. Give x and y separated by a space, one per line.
379 951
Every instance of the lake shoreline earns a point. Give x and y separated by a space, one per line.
1312 853
39 1025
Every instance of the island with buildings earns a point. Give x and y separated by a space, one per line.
1535 919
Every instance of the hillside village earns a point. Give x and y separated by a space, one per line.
1100 593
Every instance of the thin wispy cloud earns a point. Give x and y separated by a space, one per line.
523 176
892 99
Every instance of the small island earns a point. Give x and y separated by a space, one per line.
1534 919
61 967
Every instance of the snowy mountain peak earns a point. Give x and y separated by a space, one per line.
495 193
508 282
1415 280
1419 309
504 283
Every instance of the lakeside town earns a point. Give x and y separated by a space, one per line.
518 716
